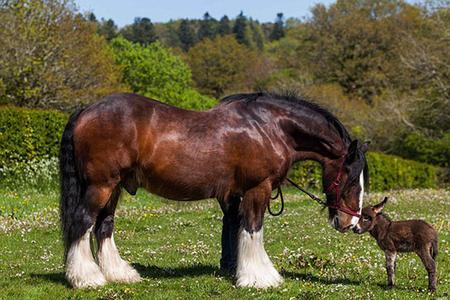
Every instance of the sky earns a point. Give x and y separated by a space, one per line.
124 12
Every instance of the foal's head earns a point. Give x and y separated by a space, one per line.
344 187
369 217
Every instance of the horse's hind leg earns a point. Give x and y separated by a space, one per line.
430 265
254 268
113 267
81 269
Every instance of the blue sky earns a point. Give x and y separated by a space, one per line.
124 12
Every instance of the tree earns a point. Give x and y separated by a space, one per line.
186 35
51 56
224 27
107 28
206 29
151 70
141 31
222 64
278 28
239 29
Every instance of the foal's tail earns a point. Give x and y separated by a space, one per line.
71 184
434 249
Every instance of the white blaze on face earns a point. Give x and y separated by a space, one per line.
355 220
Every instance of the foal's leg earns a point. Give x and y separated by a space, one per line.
230 230
81 269
390 267
113 267
430 265
254 268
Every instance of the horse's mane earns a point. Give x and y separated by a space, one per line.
291 98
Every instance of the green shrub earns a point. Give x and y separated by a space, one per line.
385 171
29 135
419 147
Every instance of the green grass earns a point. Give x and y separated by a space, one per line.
176 248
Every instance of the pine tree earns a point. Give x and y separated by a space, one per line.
239 27
206 29
186 35
141 31
224 26
107 28
278 28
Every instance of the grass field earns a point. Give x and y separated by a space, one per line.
176 248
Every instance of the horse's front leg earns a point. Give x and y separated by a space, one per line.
230 231
254 268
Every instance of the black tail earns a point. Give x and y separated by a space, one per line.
70 183
434 249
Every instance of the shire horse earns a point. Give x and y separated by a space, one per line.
237 152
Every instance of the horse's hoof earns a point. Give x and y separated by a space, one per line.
121 272
89 276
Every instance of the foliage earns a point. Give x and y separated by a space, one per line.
207 27
29 143
186 35
430 150
142 31
51 56
386 172
278 28
222 65
154 72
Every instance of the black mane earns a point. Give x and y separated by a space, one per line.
294 99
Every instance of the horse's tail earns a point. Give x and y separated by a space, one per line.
71 183
434 249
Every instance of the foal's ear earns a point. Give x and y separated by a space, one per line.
379 207
364 146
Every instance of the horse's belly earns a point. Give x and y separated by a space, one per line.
176 185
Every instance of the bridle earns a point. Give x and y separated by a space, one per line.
337 204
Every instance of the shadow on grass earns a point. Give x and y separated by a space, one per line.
313 278
178 272
57 278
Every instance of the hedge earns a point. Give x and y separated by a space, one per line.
28 137
29 134
386 172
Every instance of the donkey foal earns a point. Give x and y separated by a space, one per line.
401 236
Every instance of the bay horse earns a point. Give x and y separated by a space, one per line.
236 152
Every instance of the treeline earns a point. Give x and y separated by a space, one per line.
185 33
383 67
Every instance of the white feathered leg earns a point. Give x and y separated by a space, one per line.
254 268
81 268
112 265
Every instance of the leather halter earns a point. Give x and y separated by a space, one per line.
337 204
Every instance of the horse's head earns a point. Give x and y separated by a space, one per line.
344 186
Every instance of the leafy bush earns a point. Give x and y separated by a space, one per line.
419 147
154 72
386 172
29 135
40 174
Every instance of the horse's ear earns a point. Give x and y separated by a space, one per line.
379 207
352 151
364 146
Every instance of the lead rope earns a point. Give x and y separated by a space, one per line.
279 193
